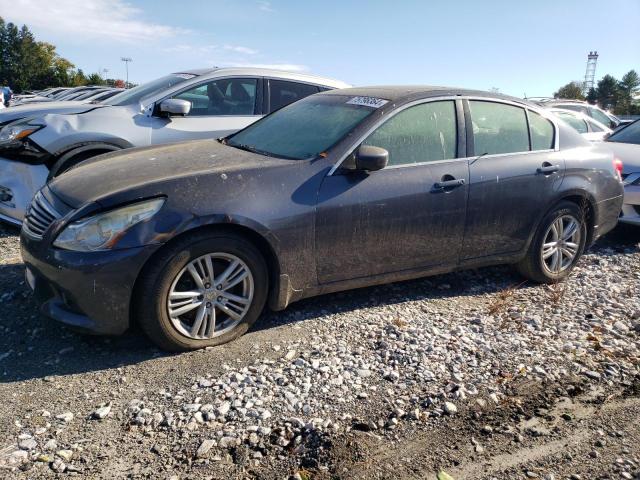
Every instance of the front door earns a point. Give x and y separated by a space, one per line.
396 218
218 108
512 177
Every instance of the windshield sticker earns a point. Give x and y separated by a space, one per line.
368 101
186 76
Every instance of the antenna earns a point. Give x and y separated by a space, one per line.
590 74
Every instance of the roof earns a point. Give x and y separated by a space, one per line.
397 93
267 72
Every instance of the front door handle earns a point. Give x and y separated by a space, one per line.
449 184
548 169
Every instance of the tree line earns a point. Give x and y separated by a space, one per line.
28 64
610 93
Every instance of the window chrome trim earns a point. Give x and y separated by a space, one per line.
544 113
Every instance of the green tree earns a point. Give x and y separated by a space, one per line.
627 88
95 79
27 64
592 96
607 92
571 90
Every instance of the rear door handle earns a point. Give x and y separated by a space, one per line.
547 169
449 183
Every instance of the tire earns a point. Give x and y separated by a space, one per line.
62 166
171 272
534 267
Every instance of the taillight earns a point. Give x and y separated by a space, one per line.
617 166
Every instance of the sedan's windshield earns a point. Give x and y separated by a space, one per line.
303 129
629 134
136 94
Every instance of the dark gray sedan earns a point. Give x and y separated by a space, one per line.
340 190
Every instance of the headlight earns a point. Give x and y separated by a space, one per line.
102 231
18 132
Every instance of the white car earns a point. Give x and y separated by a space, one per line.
589 128
189 105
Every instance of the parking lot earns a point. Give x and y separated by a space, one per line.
475 373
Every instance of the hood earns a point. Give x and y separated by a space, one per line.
38 109
156 170
629 153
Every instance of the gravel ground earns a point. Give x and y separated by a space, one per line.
473 373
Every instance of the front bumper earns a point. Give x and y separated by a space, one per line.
631 208
19 182
91 291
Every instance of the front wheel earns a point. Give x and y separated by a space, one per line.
205 290
557 245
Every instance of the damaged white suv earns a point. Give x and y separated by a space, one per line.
189 105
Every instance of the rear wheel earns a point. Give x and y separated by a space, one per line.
205 290
557 245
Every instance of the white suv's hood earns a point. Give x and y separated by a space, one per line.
39 109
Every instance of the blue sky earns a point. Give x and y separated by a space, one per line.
520 47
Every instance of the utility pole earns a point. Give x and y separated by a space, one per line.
126 61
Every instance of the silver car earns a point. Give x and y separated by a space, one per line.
188 105
625 144
590 129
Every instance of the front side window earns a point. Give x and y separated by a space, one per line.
304 129
542 132
498 128
578 124
422 133
226 96
599 116
282 93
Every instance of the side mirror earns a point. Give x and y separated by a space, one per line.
371 158
175 106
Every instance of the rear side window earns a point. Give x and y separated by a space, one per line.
282 93
577 123
541 132
423 133
498 128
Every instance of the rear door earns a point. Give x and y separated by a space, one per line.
514 172
397 218
219 108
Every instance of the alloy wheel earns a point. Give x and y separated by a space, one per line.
561 244
210 296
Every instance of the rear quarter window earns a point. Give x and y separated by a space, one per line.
542 132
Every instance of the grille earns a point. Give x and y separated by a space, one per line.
40 215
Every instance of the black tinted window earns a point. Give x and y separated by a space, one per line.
629 134
282 93
498 128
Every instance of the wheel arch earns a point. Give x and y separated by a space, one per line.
587 204
258 239
61 159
